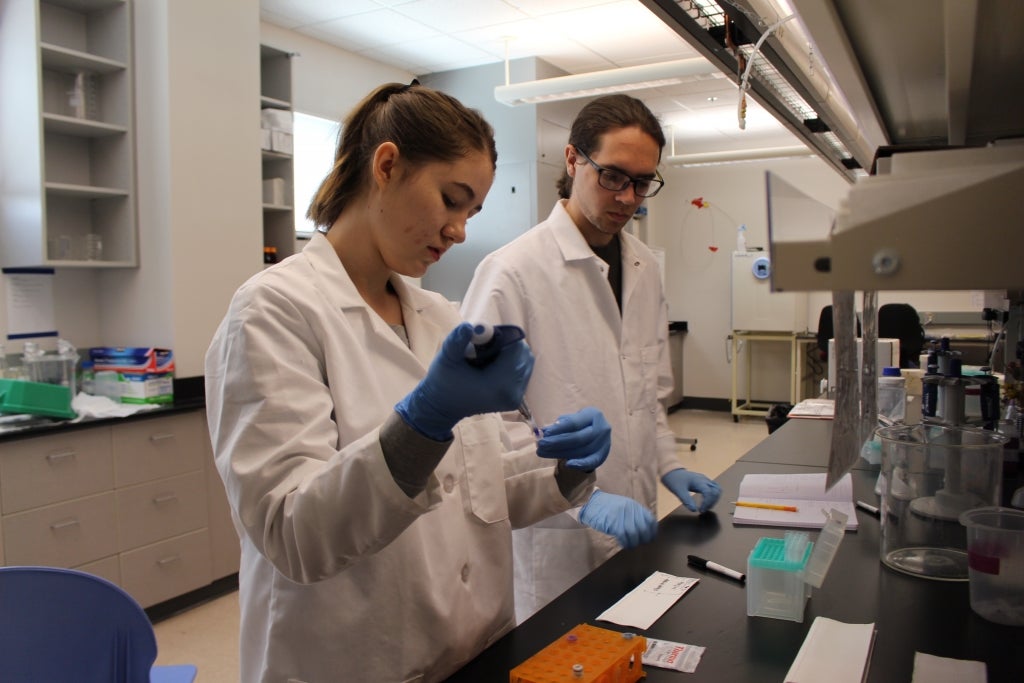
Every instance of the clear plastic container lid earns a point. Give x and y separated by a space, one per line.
825 548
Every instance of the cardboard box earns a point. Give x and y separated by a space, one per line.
132 374
281 141
273 191
277 119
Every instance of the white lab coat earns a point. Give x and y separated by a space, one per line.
551 283
343 576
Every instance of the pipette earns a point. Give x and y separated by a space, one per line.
483 347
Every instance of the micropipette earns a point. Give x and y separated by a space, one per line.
483 347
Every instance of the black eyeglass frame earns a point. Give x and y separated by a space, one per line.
657 182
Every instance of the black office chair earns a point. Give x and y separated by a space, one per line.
901 321
826 327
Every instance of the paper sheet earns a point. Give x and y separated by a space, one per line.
833 651
30 310
932 669
642 606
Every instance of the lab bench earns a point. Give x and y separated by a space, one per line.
910 614
135 500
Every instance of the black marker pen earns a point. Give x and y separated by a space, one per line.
715 567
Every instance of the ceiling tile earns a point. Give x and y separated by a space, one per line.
375 29
452 16
305 12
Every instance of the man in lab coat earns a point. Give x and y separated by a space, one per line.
589 297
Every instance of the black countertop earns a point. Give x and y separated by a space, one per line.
188 396
911 614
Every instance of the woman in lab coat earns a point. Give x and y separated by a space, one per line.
367 488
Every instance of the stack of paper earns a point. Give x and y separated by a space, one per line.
805 492
814 408
833 651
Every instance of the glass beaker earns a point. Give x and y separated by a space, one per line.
930 475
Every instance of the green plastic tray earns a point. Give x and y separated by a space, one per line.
35 398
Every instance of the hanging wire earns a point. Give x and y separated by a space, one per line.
741 105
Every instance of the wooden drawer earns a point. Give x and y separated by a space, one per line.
108 568
64 535
156 510
52 469
161 447
164 570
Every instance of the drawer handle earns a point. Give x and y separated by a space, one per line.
164 498
164 561
60 455
57 526
162 437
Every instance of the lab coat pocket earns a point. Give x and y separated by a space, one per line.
641 376
483 486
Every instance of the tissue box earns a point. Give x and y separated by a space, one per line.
132 374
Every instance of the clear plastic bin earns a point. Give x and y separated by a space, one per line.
60 367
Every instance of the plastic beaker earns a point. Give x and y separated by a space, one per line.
930 475
995 552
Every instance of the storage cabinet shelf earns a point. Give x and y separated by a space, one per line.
64 59
278 165
67 120
84 191
68 125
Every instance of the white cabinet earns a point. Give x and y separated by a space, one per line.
277 152
133 502
66 117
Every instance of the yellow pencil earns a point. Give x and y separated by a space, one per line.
765 506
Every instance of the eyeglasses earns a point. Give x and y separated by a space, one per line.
617 181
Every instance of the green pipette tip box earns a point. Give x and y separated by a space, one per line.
35 398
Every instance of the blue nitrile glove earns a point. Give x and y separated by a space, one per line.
582 439
682 482
627 520
454 388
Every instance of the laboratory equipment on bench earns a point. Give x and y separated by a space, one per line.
484 346
955 396
930 475
586 654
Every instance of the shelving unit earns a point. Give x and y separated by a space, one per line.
66 117
275 93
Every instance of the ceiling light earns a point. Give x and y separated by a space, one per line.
603 82
738 155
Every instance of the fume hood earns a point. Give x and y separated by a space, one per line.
918 94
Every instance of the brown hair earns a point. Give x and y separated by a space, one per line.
602 115
425 124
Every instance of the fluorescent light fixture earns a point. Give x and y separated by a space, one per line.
735 155
603 82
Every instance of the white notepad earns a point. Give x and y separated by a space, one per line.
833 651
642 606
805 492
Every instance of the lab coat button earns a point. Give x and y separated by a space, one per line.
465 573
449 483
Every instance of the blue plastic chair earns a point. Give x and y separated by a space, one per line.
62 625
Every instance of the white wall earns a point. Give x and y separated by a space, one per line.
698 280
